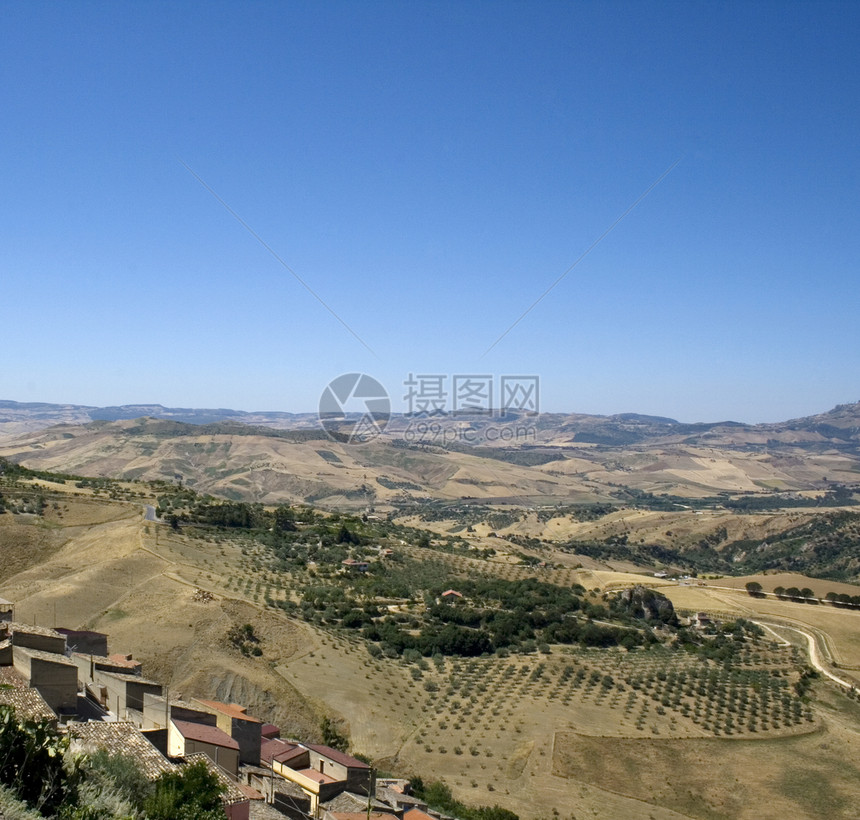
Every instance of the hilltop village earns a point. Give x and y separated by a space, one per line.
103 701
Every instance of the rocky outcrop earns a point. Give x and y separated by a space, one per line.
647 604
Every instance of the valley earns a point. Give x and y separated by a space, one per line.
549 722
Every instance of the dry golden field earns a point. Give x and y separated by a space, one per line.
587 733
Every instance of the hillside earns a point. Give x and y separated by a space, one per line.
534 692
568 460
838 428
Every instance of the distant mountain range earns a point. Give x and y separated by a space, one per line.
838 428
561 458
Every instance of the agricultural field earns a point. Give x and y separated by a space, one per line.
588 710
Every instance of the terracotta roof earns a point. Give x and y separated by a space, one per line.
32 629
348 801
9 677
249 791
270 730
279 750
452 592
129 678
52 657
318 776
205 734
363 815
417 814
232 709
338 757
27 703
108 660
121 739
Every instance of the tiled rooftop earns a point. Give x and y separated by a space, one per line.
338 757
417 814
9 677
231 709
319 777
27 703
205 734
279 750
32 629
110 660
53 657
121 739
363 815
129 678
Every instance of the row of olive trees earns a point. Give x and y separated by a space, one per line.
755 589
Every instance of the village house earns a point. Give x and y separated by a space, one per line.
349 803
123 694
322 772
418 814
88 664
235 721
33 637
185 738
157 712
52 674
119 738
451 597
269 731
85 640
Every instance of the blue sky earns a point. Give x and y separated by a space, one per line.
429 169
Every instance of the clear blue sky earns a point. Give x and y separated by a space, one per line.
429 169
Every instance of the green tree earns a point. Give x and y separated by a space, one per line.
194 793
753 588
332 736
285 519
31 763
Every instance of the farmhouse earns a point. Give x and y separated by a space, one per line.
451 596
351 565
700 620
